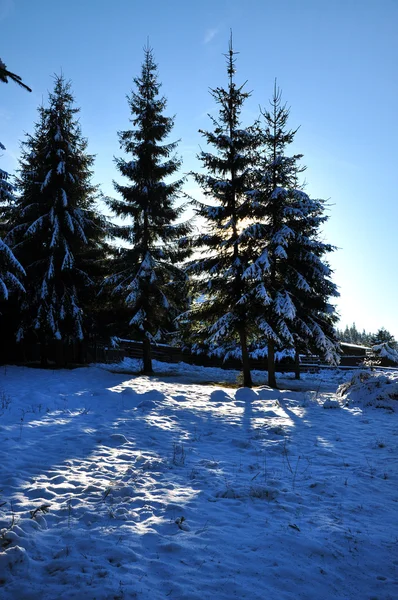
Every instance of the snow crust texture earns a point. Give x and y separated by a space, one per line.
371 388
116 486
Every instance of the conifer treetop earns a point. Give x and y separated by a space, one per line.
220 319
56 231
298 282
146 272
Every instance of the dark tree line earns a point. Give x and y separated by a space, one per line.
383 348
352 335
254 281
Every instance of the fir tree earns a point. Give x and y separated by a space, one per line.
384 349
351 335
383 336
221 322
308 277
297 281
11 271
6 199
6 189
56 232
146 276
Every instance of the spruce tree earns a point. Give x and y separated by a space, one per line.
147 277
56 231
382 337
308 277
351 335
384 349
297 281
221 322
11 271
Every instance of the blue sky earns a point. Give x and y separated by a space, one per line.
335 62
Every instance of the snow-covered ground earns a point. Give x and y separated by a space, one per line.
116 486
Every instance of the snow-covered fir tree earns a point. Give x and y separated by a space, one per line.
6 188
6 198
147 277
351 335
308 277
11 271
221 323
56 233
297 281
383 336
384 349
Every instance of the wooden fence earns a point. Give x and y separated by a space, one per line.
97 352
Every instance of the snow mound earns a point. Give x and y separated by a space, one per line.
331 403
367 388
245 394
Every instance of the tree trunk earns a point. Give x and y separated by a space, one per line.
43 355
296 364
81 352
247 378
59 347
271 365
146 356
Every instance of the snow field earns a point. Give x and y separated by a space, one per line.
158 488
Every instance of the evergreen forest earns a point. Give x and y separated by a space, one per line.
240 272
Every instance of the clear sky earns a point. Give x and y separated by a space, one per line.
336 62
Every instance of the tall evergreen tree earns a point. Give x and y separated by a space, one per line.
11 272
383 336
311 287
351 335
146 276
297 282
7 198
221 322
56 231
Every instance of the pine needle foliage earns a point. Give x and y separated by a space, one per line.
297 282
57 233
147 277
221 323
6 76
11 272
